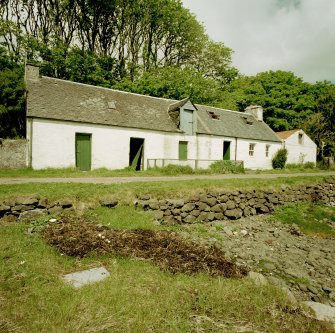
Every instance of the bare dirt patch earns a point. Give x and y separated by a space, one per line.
167 249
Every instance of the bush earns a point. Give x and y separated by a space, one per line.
226 167
279 160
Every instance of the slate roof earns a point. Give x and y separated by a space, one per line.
233 124
286 134
55 99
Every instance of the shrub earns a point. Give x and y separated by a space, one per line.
226 167
173 169
279 160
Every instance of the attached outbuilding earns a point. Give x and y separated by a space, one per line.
71 124
301 148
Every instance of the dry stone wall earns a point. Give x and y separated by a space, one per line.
200 207
13 153
224 205
32 207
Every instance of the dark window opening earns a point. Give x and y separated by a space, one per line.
136 153
226 150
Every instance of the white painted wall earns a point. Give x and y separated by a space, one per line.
300 153
53 145
259 159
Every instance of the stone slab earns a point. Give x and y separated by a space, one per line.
322 311
79 279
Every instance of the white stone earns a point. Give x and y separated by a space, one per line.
258 278
243 232
322 311
79 279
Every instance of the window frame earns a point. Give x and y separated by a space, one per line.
267 150
252 149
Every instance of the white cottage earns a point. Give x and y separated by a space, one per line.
71 124
300 147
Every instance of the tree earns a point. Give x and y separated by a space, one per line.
214 61
321 125
175 83
286 99
12 116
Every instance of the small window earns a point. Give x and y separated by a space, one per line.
183 150
252 149
301 138
213 115
267 150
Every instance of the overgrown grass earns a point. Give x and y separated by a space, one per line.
226 167
300 166
169 170
137 297
312 219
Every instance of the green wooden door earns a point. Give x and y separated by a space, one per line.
83 151
183 150
226 150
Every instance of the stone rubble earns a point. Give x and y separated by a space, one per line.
282 253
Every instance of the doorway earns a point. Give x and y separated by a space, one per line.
83 151
136 153
226 150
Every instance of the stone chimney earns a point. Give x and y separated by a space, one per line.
256 111
32 72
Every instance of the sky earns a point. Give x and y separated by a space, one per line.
290 35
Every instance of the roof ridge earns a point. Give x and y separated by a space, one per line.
109 89
221 109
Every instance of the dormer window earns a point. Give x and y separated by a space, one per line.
213 115
248 120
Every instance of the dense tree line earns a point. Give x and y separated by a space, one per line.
154 47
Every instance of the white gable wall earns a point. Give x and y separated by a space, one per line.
53 146
300 152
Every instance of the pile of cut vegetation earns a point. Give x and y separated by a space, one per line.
167 249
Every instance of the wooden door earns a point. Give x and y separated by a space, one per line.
83 151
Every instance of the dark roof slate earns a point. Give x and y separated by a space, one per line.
50 98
